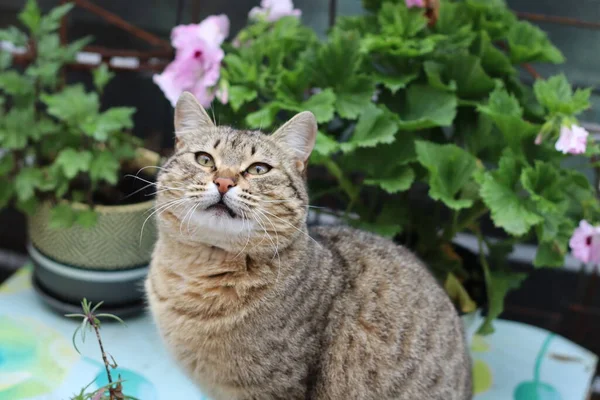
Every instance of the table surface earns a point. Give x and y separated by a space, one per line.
37 359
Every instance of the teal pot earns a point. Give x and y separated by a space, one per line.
62 287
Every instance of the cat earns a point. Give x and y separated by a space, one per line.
254 306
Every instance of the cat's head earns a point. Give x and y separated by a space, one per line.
235 189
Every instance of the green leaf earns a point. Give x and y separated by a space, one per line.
458 294
493 60
337 61
87 218
453 18
72 105
112 120
263 118
506 112
15 84
7 162
397 20
509 210
374 126
5 60
401 180
28 207
13 35
27 181
31 16
73 162
556 95
101 76
325 145
51 21
16 127
450 168
240 95
546 188
238 70
427 107
321 105
470 77
62 216
104 167
395 82
498 285
355 97
399 47
398 153
434 71
7 190
527 43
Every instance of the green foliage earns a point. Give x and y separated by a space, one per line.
430 118
63 147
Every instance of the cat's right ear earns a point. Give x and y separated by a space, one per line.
190 116
299 135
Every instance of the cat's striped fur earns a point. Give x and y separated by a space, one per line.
256 307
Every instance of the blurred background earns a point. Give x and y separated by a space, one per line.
566 304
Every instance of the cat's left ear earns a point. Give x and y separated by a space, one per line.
299 135
190 116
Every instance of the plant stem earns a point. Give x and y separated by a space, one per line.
472 215
104 358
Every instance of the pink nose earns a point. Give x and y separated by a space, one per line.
224 184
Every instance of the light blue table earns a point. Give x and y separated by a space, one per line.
37 360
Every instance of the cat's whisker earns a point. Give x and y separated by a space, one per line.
190 219
291 225
288 200
244 217
262 225
162 207
276 248
159 168
164 190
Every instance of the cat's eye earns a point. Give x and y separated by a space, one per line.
205 159
258 169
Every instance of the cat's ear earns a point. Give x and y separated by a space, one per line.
299 135
190 115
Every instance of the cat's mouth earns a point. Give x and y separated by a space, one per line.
221 207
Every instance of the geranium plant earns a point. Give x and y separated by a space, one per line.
426 129
55 142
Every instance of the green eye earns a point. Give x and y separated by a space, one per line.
205 159
258 169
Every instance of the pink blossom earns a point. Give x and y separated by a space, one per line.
585 243
572 139
272 10
212 30
197 64
415 3
222 95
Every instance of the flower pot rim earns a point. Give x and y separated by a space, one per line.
99 276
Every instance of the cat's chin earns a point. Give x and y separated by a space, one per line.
214 226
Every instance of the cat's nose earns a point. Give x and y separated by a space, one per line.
224 184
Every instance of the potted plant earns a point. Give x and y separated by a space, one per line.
65 162
425 129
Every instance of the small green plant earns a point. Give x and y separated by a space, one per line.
91 322
56 142
426 130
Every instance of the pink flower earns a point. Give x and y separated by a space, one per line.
572 139
222 95
197 64
585 243
415 3
272 10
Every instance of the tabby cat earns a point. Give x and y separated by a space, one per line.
254 306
